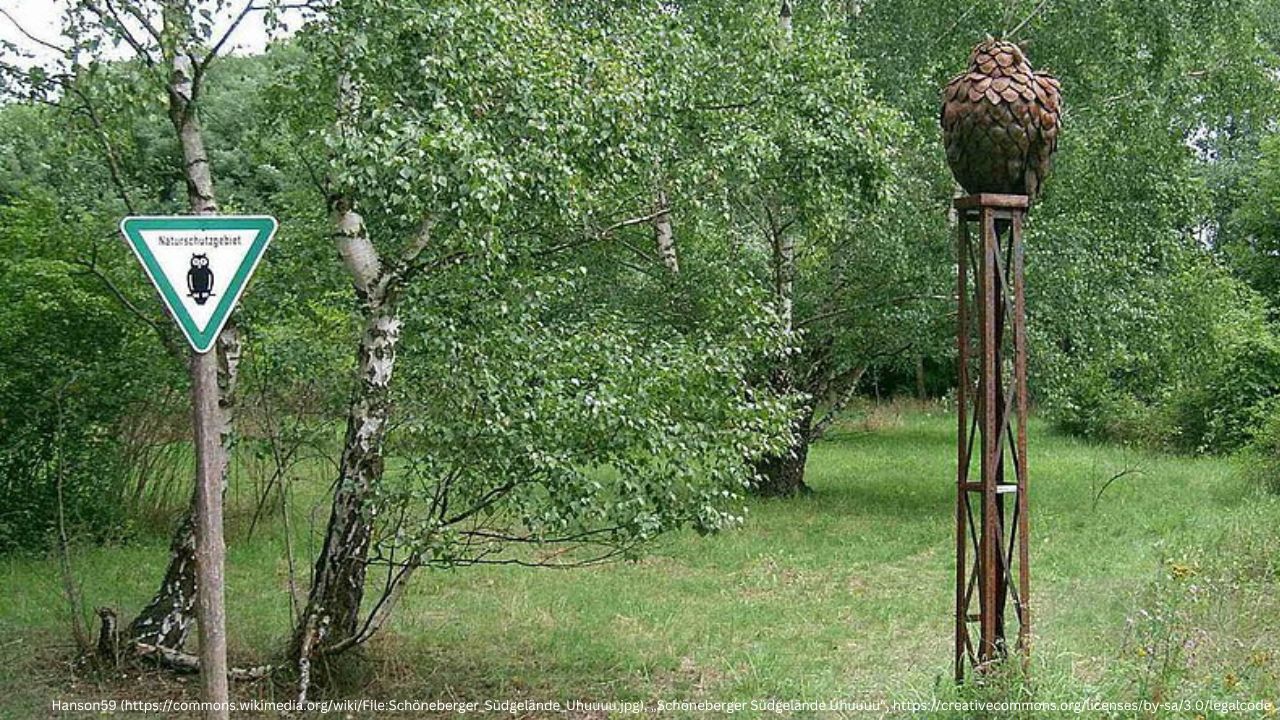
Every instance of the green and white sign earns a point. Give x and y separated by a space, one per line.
200 264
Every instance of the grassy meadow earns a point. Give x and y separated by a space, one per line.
1164 589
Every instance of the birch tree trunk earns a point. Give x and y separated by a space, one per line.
663 234
332 615
167 619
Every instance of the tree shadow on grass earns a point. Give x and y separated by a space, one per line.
915 499
918 434
445 668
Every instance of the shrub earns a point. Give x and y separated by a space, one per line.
71 364
1188 363
1096 405
1261 458
1235 399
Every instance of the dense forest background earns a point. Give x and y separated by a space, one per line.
592 271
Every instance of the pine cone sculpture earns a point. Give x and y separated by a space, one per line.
1000 122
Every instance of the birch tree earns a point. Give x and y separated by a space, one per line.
337 587
808 156
779 157
465 182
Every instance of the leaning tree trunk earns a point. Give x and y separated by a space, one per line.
332 616
167 619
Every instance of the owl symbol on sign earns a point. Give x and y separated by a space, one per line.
200 279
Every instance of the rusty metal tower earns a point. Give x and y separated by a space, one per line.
991 508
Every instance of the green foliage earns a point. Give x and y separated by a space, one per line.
1196 379
74 366
1236 398
552 428
1262 456
1129 310
809 154
1165 104
549 389
1251 236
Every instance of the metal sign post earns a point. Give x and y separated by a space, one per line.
991 513
201 265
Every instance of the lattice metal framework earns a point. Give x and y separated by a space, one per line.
991 510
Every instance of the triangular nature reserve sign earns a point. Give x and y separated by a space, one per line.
200 264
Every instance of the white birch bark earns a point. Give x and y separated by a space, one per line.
664 234
783 247
332 615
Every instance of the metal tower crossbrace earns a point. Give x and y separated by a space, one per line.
991 510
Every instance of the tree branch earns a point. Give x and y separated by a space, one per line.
165 339
113 160
1014 32
850 381
138 48
134 10
43 43
188 663
217 46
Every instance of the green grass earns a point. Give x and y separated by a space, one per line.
1166 590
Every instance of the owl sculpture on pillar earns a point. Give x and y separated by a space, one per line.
1000 122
